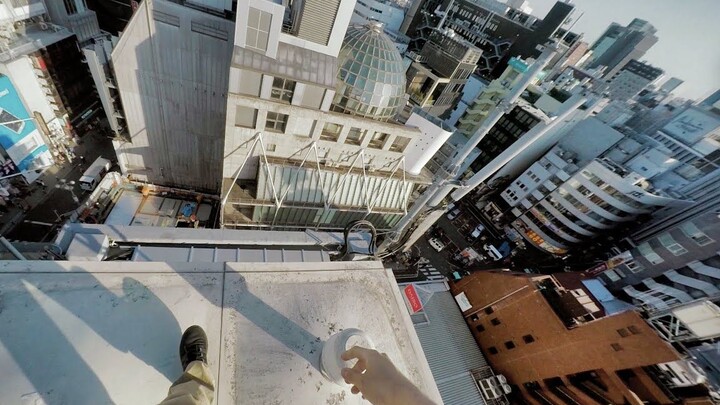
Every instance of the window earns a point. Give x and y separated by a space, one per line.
276 122
258 29
528 339
474 318
378 140
282 89
271 147
492 350
649 253
634 330
623 332
70 7
694 233
480 328
669 243
330 132
510 344
495 321
245 117
354 137
489 310
633 266
399 144
616 347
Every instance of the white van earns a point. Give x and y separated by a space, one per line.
92 176
494 253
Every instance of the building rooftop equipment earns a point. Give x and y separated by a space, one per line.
85 331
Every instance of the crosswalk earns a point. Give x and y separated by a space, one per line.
430 272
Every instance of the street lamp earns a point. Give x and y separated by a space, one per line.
68 186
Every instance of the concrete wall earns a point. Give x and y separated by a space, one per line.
172 68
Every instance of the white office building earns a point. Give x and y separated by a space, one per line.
314 134
593 180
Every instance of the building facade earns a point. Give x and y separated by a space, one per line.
556 339
618 45
435 80
489 98
595 179
314 136
634 77
172 70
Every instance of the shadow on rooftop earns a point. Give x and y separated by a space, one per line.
45 319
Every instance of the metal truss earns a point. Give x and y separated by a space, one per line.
370 197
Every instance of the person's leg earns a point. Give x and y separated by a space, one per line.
196 386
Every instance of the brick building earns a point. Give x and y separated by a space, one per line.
556 342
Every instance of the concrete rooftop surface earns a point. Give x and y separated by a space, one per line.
101 332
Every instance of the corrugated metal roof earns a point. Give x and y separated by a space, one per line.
216 254
292 62
307 185
450 350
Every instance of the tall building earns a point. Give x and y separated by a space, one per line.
489 98
498 29
172 70
564 339
595 179
618 45
96 46
314 136
631 79
511 127
437 76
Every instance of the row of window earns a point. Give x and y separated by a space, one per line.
511 344
668 242
277 122
610 190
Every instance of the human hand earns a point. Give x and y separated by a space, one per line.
379 381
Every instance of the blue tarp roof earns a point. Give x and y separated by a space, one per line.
611 304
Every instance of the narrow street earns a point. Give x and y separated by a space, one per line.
47 206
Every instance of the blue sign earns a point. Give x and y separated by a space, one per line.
15 125
12 109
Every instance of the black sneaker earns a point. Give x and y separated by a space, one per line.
193 346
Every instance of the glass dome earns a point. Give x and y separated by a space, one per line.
371 75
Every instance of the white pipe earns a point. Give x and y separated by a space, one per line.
11 248
516 148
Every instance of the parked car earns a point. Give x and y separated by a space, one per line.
436 244
453 214
477 231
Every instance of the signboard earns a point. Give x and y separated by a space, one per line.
412 298
611 263
18 133
463 302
